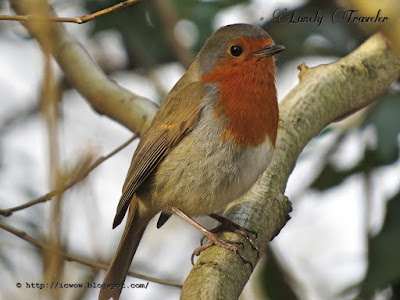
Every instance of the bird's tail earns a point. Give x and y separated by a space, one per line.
138 218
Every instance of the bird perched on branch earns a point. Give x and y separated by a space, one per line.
210 140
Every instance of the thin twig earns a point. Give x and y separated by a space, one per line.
90 263
48 196
78 20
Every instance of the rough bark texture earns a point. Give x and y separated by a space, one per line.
324 94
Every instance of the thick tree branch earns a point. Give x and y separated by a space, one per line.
324 94
104 95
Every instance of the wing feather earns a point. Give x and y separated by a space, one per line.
172 122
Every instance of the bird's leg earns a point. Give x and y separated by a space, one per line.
213 239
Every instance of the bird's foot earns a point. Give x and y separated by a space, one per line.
214 240
228 225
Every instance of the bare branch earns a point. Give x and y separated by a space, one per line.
75 179
78 20
86 262
50 99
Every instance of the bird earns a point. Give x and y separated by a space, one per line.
210 140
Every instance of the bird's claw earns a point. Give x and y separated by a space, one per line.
228 225
214 240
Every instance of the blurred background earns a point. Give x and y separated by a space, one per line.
343 239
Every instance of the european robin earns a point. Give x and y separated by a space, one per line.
211 139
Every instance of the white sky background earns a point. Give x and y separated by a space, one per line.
323 245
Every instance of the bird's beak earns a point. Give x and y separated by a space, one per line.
271 50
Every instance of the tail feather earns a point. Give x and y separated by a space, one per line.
119 267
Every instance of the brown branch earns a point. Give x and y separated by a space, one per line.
80 176
53 264
78 20
86 262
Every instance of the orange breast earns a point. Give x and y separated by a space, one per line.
247 98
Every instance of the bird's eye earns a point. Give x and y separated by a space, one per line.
236 50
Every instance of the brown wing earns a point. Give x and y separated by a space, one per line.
175 118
